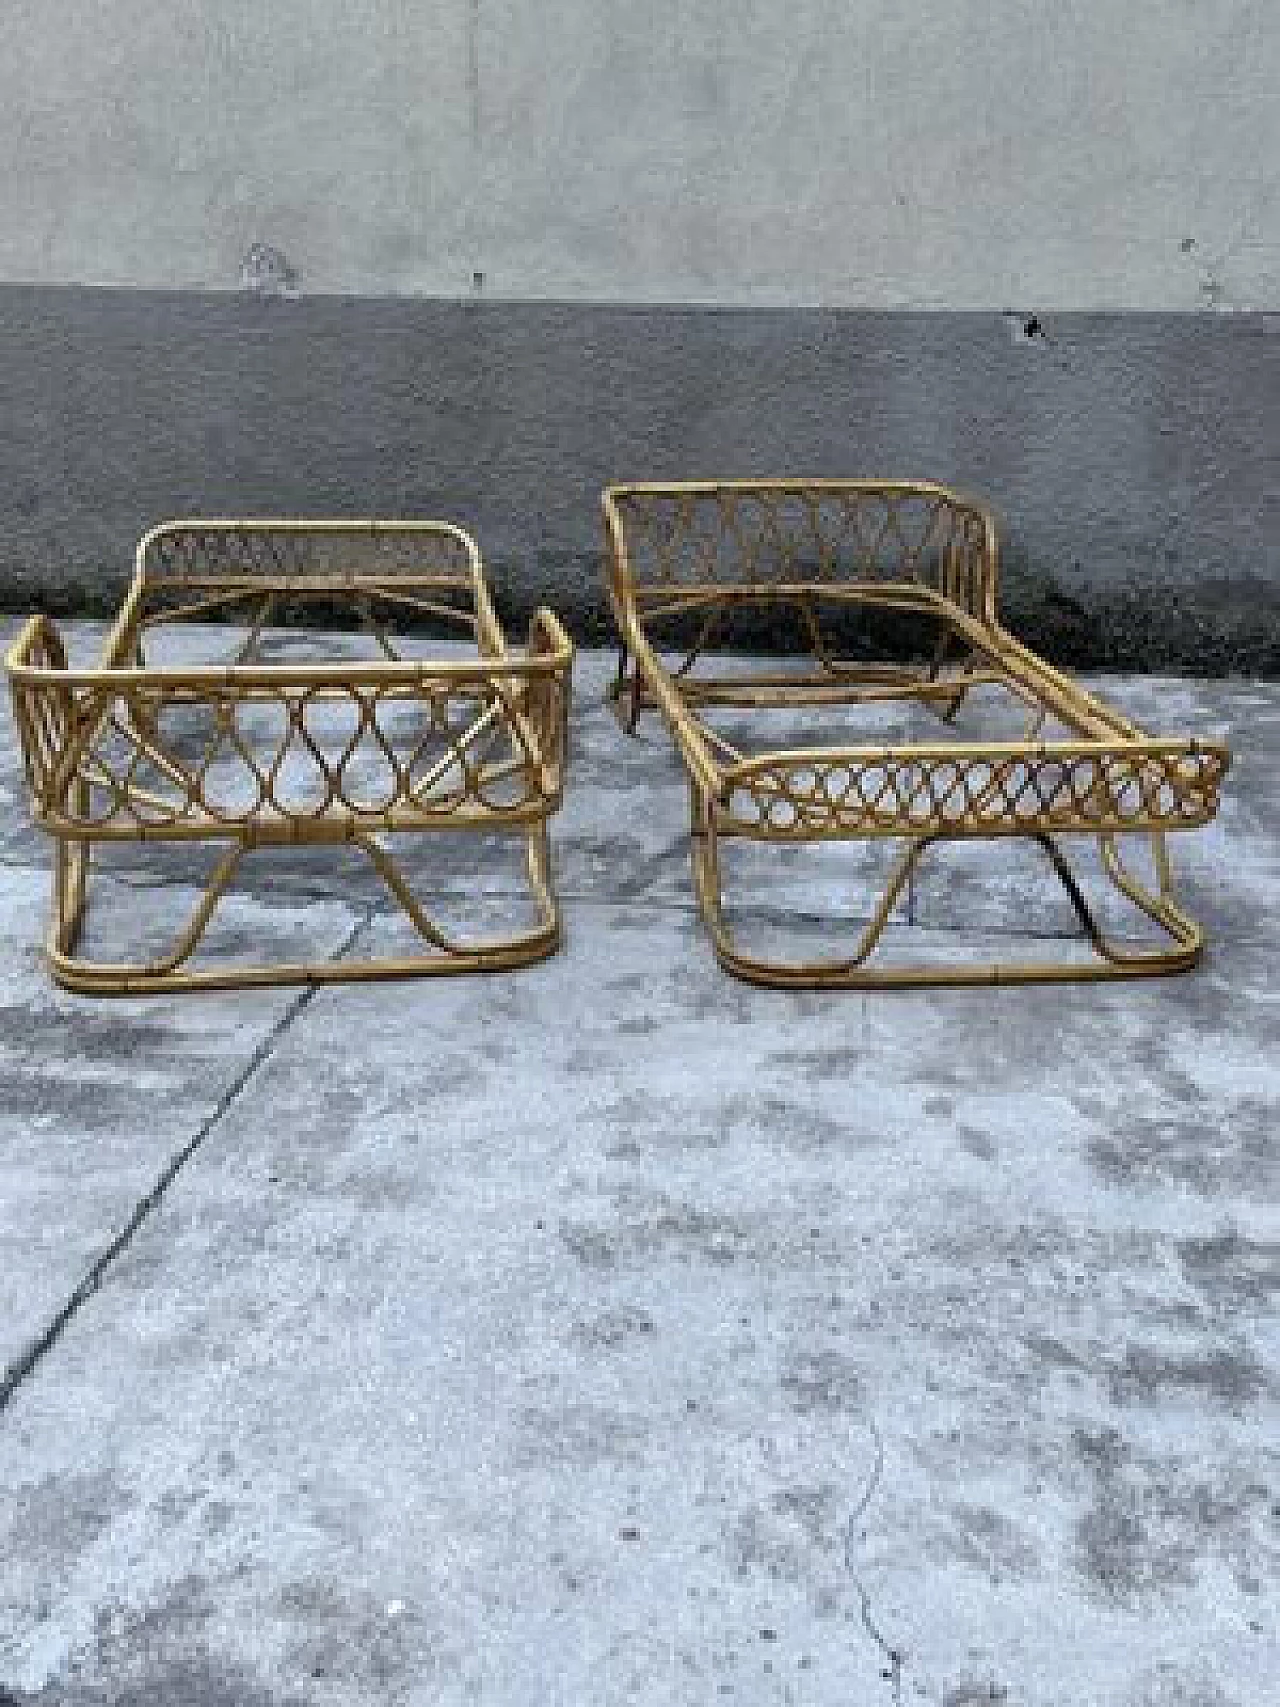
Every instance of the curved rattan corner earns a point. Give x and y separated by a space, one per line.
695 552
335 751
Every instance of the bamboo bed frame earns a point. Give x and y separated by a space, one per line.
691 554
254 754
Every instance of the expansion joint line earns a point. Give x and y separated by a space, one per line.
36 1349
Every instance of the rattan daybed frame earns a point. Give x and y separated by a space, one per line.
254 754
694 552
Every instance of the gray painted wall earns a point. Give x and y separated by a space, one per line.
392 256
1133 456
941 153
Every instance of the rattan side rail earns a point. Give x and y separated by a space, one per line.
337 750
684 558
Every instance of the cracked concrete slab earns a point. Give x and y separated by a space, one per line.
96 1096
617 1332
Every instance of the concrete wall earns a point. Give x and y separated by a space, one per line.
940 154
748 202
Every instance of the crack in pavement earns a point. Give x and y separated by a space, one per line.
894 1657
33 1353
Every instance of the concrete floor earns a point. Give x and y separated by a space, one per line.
616 1333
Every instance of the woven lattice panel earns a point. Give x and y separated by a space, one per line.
975 794
824 535
285 757
201 553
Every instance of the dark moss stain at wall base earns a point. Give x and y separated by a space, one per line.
1216 633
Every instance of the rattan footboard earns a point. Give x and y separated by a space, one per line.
255 753
691 555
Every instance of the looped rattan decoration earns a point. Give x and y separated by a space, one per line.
255 753
684 558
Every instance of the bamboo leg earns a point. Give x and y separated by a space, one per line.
1111 960
70 877
166 973
626 692
119 977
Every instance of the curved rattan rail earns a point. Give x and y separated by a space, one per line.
691 554
252 754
